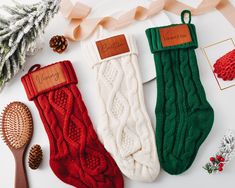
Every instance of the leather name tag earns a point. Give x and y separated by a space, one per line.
112 46
175 35
48 77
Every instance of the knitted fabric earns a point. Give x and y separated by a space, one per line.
225 66
77 157
124 125
184 117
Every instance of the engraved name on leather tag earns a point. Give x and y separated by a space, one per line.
112 46
48 77
175 35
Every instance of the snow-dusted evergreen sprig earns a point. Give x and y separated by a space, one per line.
227 146
224 155
18 34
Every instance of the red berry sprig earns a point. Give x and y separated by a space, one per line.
215 164
212 159
221 159
220 169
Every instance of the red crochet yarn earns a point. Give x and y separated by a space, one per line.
225 66
76 155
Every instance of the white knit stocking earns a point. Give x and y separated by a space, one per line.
124 125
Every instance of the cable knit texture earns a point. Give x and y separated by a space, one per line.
77 157
125 127
184 117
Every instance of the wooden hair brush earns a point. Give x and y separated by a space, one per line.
17 128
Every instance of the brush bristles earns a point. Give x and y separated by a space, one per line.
16 125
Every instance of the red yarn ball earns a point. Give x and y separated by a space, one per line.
225 66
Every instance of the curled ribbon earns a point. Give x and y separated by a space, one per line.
81 27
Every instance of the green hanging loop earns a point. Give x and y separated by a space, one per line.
183 16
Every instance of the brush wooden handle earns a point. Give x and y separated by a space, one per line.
21 180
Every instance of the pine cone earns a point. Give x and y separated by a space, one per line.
35 156
58 43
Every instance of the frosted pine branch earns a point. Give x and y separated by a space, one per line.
224 155
18 34
227 146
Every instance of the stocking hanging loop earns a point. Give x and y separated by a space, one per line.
34 67
183 16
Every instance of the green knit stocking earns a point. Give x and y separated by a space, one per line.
184 117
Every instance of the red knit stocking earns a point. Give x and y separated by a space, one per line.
77 157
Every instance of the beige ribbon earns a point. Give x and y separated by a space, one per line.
81 27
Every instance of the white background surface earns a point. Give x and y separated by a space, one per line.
211 28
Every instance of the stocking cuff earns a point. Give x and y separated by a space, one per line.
112 47
170 37
42 80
